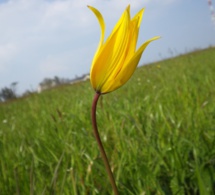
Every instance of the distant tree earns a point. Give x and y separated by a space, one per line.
57 80
27 93
8 93
13 86
48 83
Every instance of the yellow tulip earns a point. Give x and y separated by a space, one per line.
117 58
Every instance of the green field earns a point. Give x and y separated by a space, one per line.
158 131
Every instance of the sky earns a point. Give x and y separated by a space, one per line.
46 38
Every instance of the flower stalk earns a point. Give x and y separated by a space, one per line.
99 142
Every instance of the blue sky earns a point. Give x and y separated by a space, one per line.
47 38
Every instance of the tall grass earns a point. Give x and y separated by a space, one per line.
158 131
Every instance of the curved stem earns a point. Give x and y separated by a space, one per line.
101 148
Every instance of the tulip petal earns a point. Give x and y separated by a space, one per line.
110 53
133 31
101 23
128 52
127 70
135 25
139 16
131 41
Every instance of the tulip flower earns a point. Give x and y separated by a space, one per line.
117 58
114 63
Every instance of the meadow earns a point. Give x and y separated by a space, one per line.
158 131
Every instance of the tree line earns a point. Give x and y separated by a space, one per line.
10 92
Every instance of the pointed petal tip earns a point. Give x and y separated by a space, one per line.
142 11
128 9
154 38
157 37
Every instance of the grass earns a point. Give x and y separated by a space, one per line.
158 131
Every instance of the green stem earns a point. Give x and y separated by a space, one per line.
101 148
